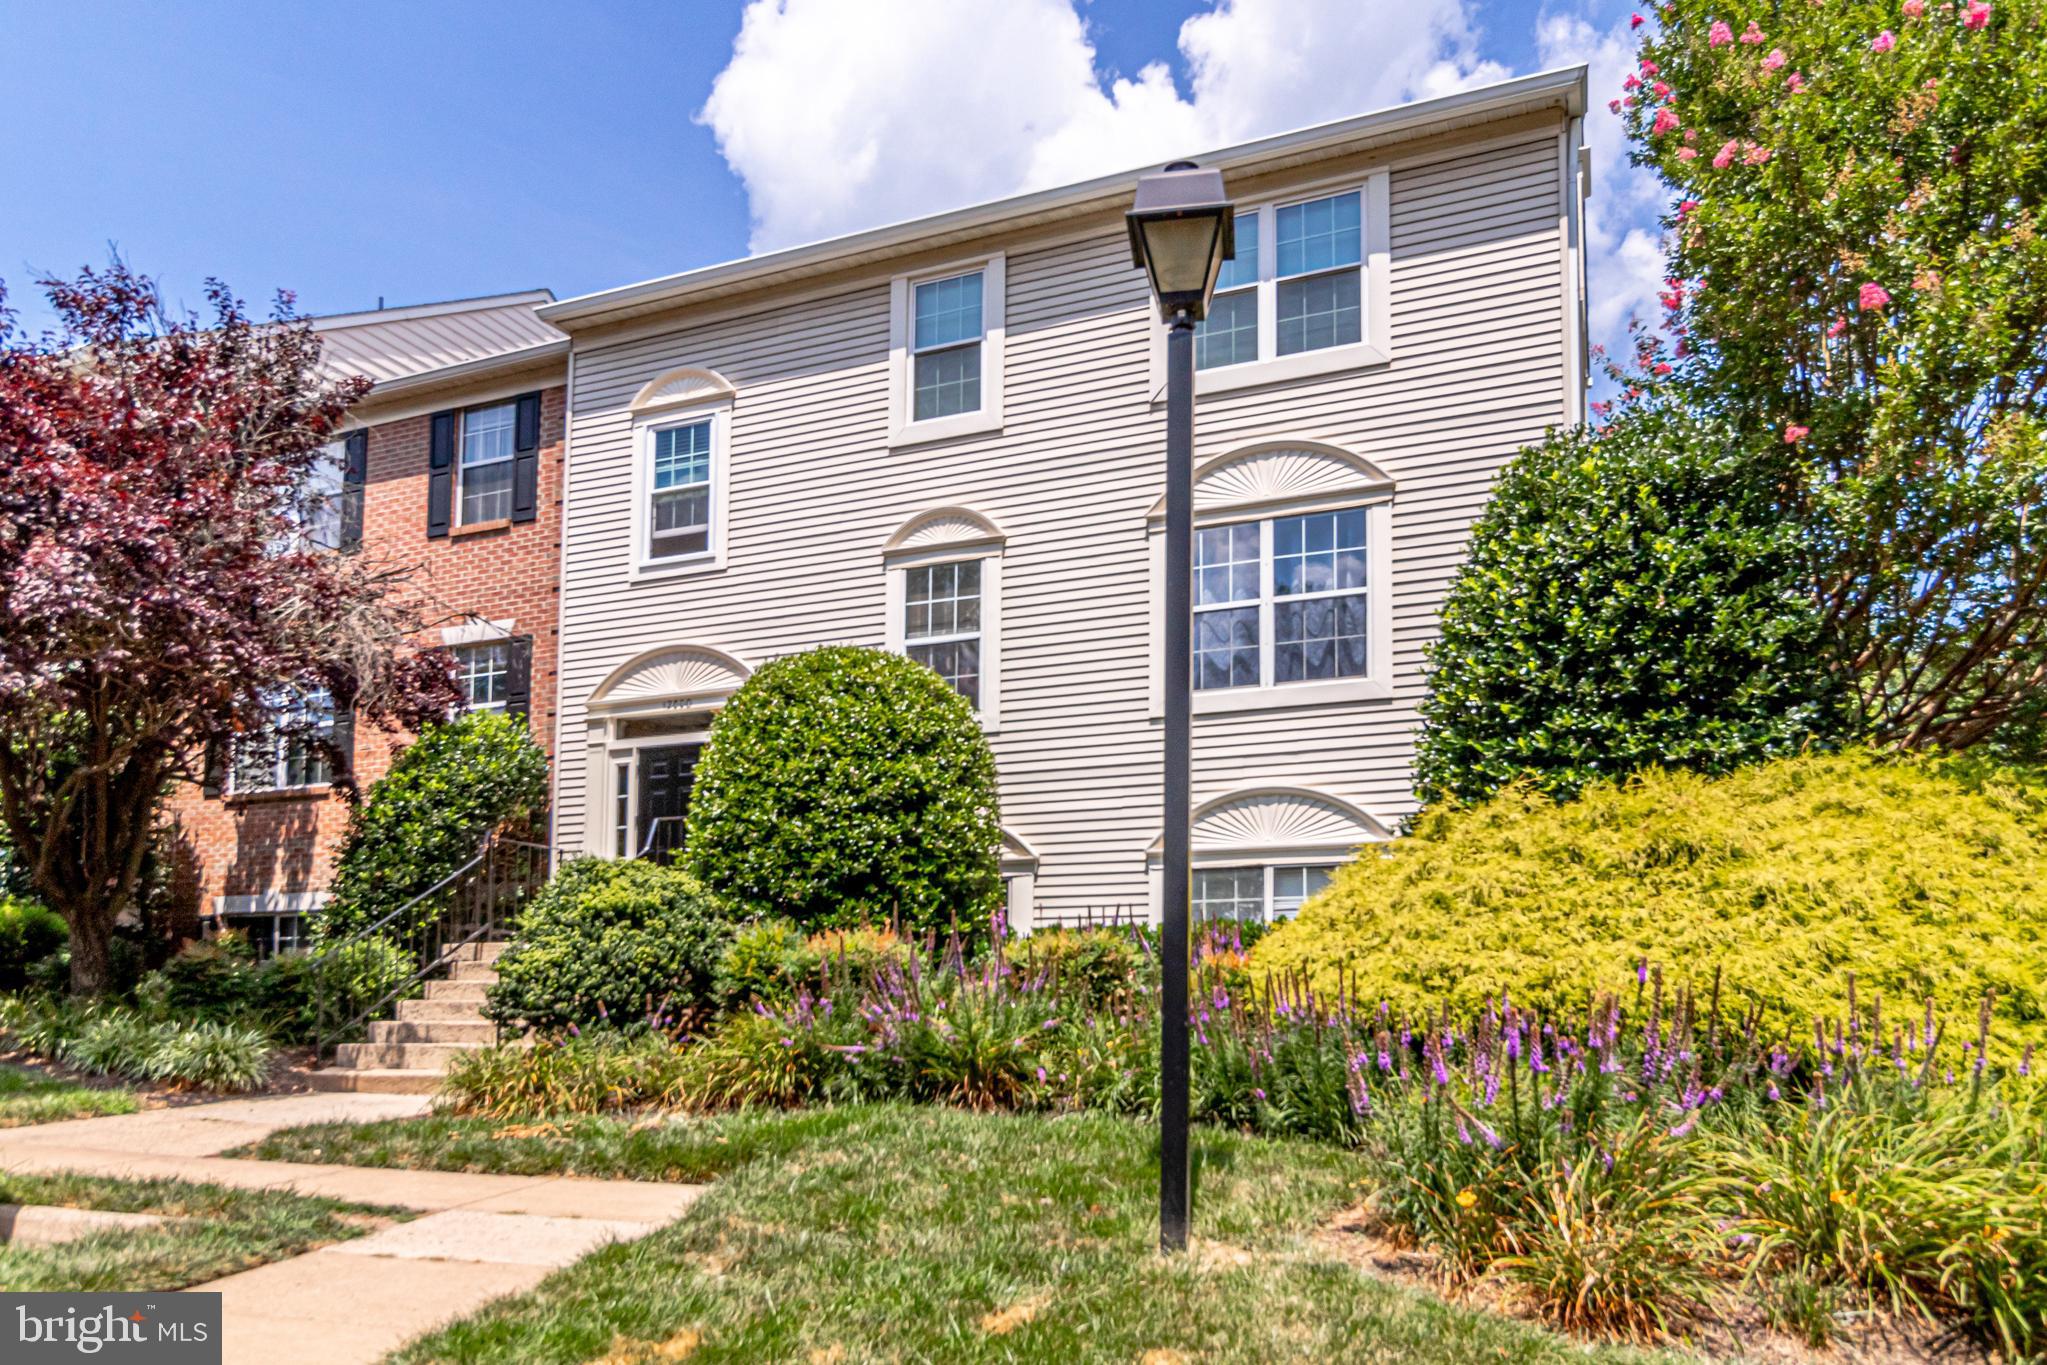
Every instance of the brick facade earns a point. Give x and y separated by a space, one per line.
284 842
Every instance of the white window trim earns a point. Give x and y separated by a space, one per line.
903 431
1375 685
232 783
1267 863
462 467
1376 346
468 706
712 558
989 555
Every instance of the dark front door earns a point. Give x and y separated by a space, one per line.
666 774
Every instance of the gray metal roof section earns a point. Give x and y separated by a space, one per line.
396 345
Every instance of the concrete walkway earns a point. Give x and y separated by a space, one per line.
482 1236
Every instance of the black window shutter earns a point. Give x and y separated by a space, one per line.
342 738
440 475
355 469
519 676
526 460
215 777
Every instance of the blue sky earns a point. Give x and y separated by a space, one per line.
427 151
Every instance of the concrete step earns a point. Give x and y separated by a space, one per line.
403 1056
445 991
469 970
433 1031
432 1010
376 1080
479 952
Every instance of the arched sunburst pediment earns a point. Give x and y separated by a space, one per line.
943 528
681 388
1280 819
670 673
1279 472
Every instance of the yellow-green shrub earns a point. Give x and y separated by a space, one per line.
1922 877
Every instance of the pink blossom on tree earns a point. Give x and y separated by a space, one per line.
1794 433
1884 42
1775 60
1752 35
1666 121
1872 297
1977 15
1720 35
1724 158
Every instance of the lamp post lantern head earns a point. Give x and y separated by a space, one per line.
1182 229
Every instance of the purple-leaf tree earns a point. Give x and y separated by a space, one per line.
155 595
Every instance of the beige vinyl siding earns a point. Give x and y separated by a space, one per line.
1479 368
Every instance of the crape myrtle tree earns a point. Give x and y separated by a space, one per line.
1858 288
154 597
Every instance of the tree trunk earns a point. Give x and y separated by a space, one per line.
91 963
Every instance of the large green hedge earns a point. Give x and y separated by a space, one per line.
447 792
848 786
618 941
1631 599
1921 877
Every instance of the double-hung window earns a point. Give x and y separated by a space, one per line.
290 749
679 491
1256 892
483 672
1305 293
1318 267
946 379
483 476
942 623
945 337
321 504
1229 334
1283 600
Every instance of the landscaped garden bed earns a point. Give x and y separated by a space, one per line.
208 1231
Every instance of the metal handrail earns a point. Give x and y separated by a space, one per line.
654 827
437 941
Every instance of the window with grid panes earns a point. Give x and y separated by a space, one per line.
942 622
1320 286
482 672
484 473
1281 601
679 512
945 346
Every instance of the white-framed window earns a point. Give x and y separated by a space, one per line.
321 501
680 481
622 809
945 342
942 622
271 934
483 672
1282 600
1305 294
1256 891
485 448
944 602
289 750
1292 579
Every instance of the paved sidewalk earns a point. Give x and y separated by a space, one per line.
482 1236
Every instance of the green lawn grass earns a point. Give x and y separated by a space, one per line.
26 1097
681 1148
925 1234
225 1231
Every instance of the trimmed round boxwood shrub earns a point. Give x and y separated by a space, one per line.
845 787
623 942
450 789
1630 599
1922 877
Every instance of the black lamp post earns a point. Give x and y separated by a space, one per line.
1182 229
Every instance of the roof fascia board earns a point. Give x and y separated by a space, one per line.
1564 87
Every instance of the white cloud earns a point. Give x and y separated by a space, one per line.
1623 242
842 114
